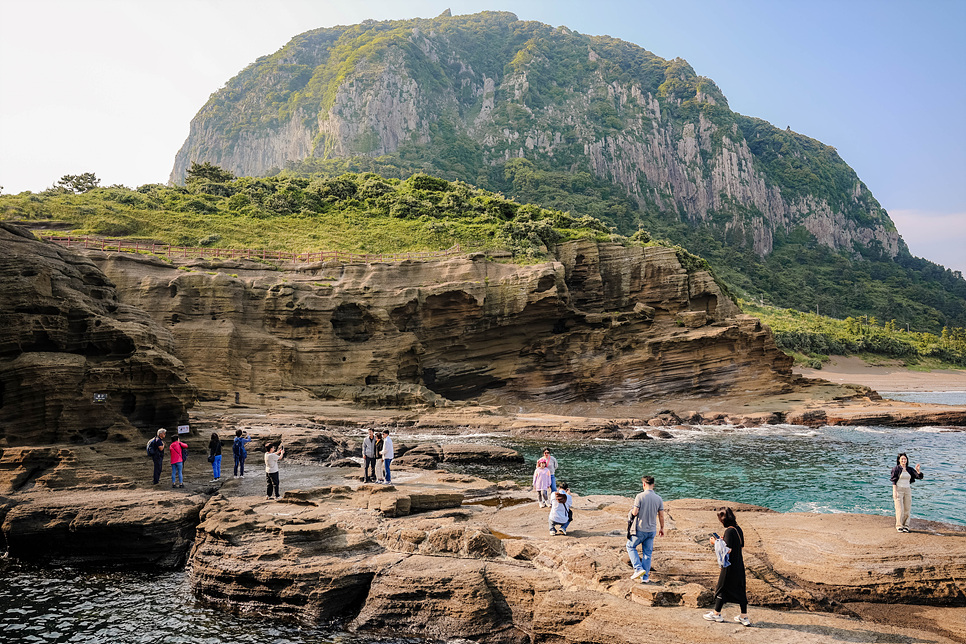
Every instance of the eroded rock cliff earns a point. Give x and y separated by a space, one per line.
602 323
65 337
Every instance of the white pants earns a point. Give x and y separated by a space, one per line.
903 498
380 469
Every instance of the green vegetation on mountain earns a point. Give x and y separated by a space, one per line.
811 338
353 212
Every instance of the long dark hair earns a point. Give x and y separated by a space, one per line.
727 518
901 454
214 442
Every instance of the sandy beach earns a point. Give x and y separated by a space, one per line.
850 369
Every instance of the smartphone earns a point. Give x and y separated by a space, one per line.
715 535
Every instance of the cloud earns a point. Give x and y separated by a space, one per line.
938 237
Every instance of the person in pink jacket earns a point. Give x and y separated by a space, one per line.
541 483
177 462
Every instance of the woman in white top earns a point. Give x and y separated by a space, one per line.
902 478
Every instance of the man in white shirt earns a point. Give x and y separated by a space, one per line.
271 468
387 454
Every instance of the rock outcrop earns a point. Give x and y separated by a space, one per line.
489 573
602 323
65 338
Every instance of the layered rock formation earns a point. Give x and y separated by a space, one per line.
64 338
603 323
373 560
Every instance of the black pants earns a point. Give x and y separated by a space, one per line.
272 479
157 468
369 465
719 603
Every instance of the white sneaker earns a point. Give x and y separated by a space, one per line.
638 574
744 621
712 617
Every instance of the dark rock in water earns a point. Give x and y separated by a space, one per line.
114 529
472 453
659 433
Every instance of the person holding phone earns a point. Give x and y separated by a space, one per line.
731 579
272 457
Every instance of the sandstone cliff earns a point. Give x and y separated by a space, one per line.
65 337
602 323
468 93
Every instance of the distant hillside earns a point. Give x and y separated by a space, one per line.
588 124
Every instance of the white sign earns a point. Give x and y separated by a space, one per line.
182 429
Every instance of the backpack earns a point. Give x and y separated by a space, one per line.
152 450
184 452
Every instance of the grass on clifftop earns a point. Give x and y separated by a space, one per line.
811 338
355 212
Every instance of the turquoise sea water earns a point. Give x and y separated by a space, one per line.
786 468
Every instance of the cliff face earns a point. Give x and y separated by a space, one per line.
466 94
603 322
65 337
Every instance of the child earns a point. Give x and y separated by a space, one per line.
271 468
559 519
541 483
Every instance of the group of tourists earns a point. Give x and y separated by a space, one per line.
553 494
178 451
377 455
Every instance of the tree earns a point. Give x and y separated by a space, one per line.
208 172
79 183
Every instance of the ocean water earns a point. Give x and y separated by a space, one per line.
64 605
783 467
932 397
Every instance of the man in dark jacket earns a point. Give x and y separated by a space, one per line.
156 451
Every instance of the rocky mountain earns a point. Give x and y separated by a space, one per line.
469 93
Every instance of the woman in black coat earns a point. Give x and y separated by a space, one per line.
731 579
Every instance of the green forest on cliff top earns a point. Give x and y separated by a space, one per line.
370 213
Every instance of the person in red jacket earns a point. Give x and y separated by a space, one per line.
177 449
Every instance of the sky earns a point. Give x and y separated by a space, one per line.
110 86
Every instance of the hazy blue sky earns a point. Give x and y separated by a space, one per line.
110 86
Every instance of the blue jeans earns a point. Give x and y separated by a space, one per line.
646 541
216 467
388 473
563 525
553 484
176 469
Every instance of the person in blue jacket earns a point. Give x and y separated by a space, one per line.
902 478
239 452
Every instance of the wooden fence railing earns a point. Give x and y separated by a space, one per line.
127 246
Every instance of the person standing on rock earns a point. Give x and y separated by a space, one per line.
647 510
380 464
387 455
902 478
551 467
731 579
369 457
239 452
177 450
564 488
214 457
156 451
541 482
272 456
